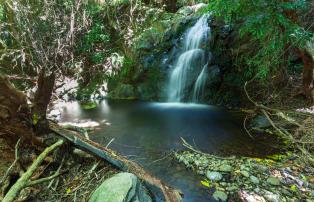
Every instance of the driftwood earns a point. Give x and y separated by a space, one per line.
156 186
24 180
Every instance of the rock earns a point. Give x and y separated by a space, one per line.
188 10
185 10
250 197
273 181
269 196
260 122
261 168
245 173
145 92
254 179
219 195
214 176
214 75
225 168
232 188
123 91
122 187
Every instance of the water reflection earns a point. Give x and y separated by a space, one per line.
146 132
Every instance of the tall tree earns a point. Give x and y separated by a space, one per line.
37 40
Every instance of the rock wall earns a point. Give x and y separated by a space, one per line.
156 49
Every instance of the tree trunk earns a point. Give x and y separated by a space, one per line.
15 115
308 62
45 85
308 82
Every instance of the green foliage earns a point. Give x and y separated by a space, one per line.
96 37
265 24
85 92
127 69
1 13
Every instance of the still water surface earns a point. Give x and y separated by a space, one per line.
147 132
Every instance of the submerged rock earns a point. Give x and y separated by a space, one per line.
214 176
122 187
272 197
261 122
273 181
219 195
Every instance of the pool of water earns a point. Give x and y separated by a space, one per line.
147 132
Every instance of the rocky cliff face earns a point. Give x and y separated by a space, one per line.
157 48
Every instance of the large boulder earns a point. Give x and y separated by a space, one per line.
122 187
123 91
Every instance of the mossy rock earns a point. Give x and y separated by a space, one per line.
88 105
123 91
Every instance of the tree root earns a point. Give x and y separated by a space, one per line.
284 115
24 181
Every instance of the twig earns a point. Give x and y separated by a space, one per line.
157 160
45 179
187 145
109 142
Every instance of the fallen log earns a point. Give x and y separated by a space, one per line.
158 188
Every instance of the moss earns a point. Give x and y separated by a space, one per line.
88 105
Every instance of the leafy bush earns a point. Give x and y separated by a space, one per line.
268 25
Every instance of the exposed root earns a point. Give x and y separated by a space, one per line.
24 181
289 125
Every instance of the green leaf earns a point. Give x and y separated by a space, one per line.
205 183
35 118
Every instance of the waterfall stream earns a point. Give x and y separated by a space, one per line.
190 68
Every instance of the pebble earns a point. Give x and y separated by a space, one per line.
273 181
225 168
245 173
214 176
254 179
219 195
269 196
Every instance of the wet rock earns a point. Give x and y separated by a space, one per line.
123 91
254 179
245 173
273 181
214 75
232 188
214 176
122 187
250 197
225 168
269 196
260 122
220 195
261 168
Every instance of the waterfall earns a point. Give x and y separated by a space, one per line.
199 86
190 68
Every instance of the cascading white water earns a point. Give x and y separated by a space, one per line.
199 86
191 62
